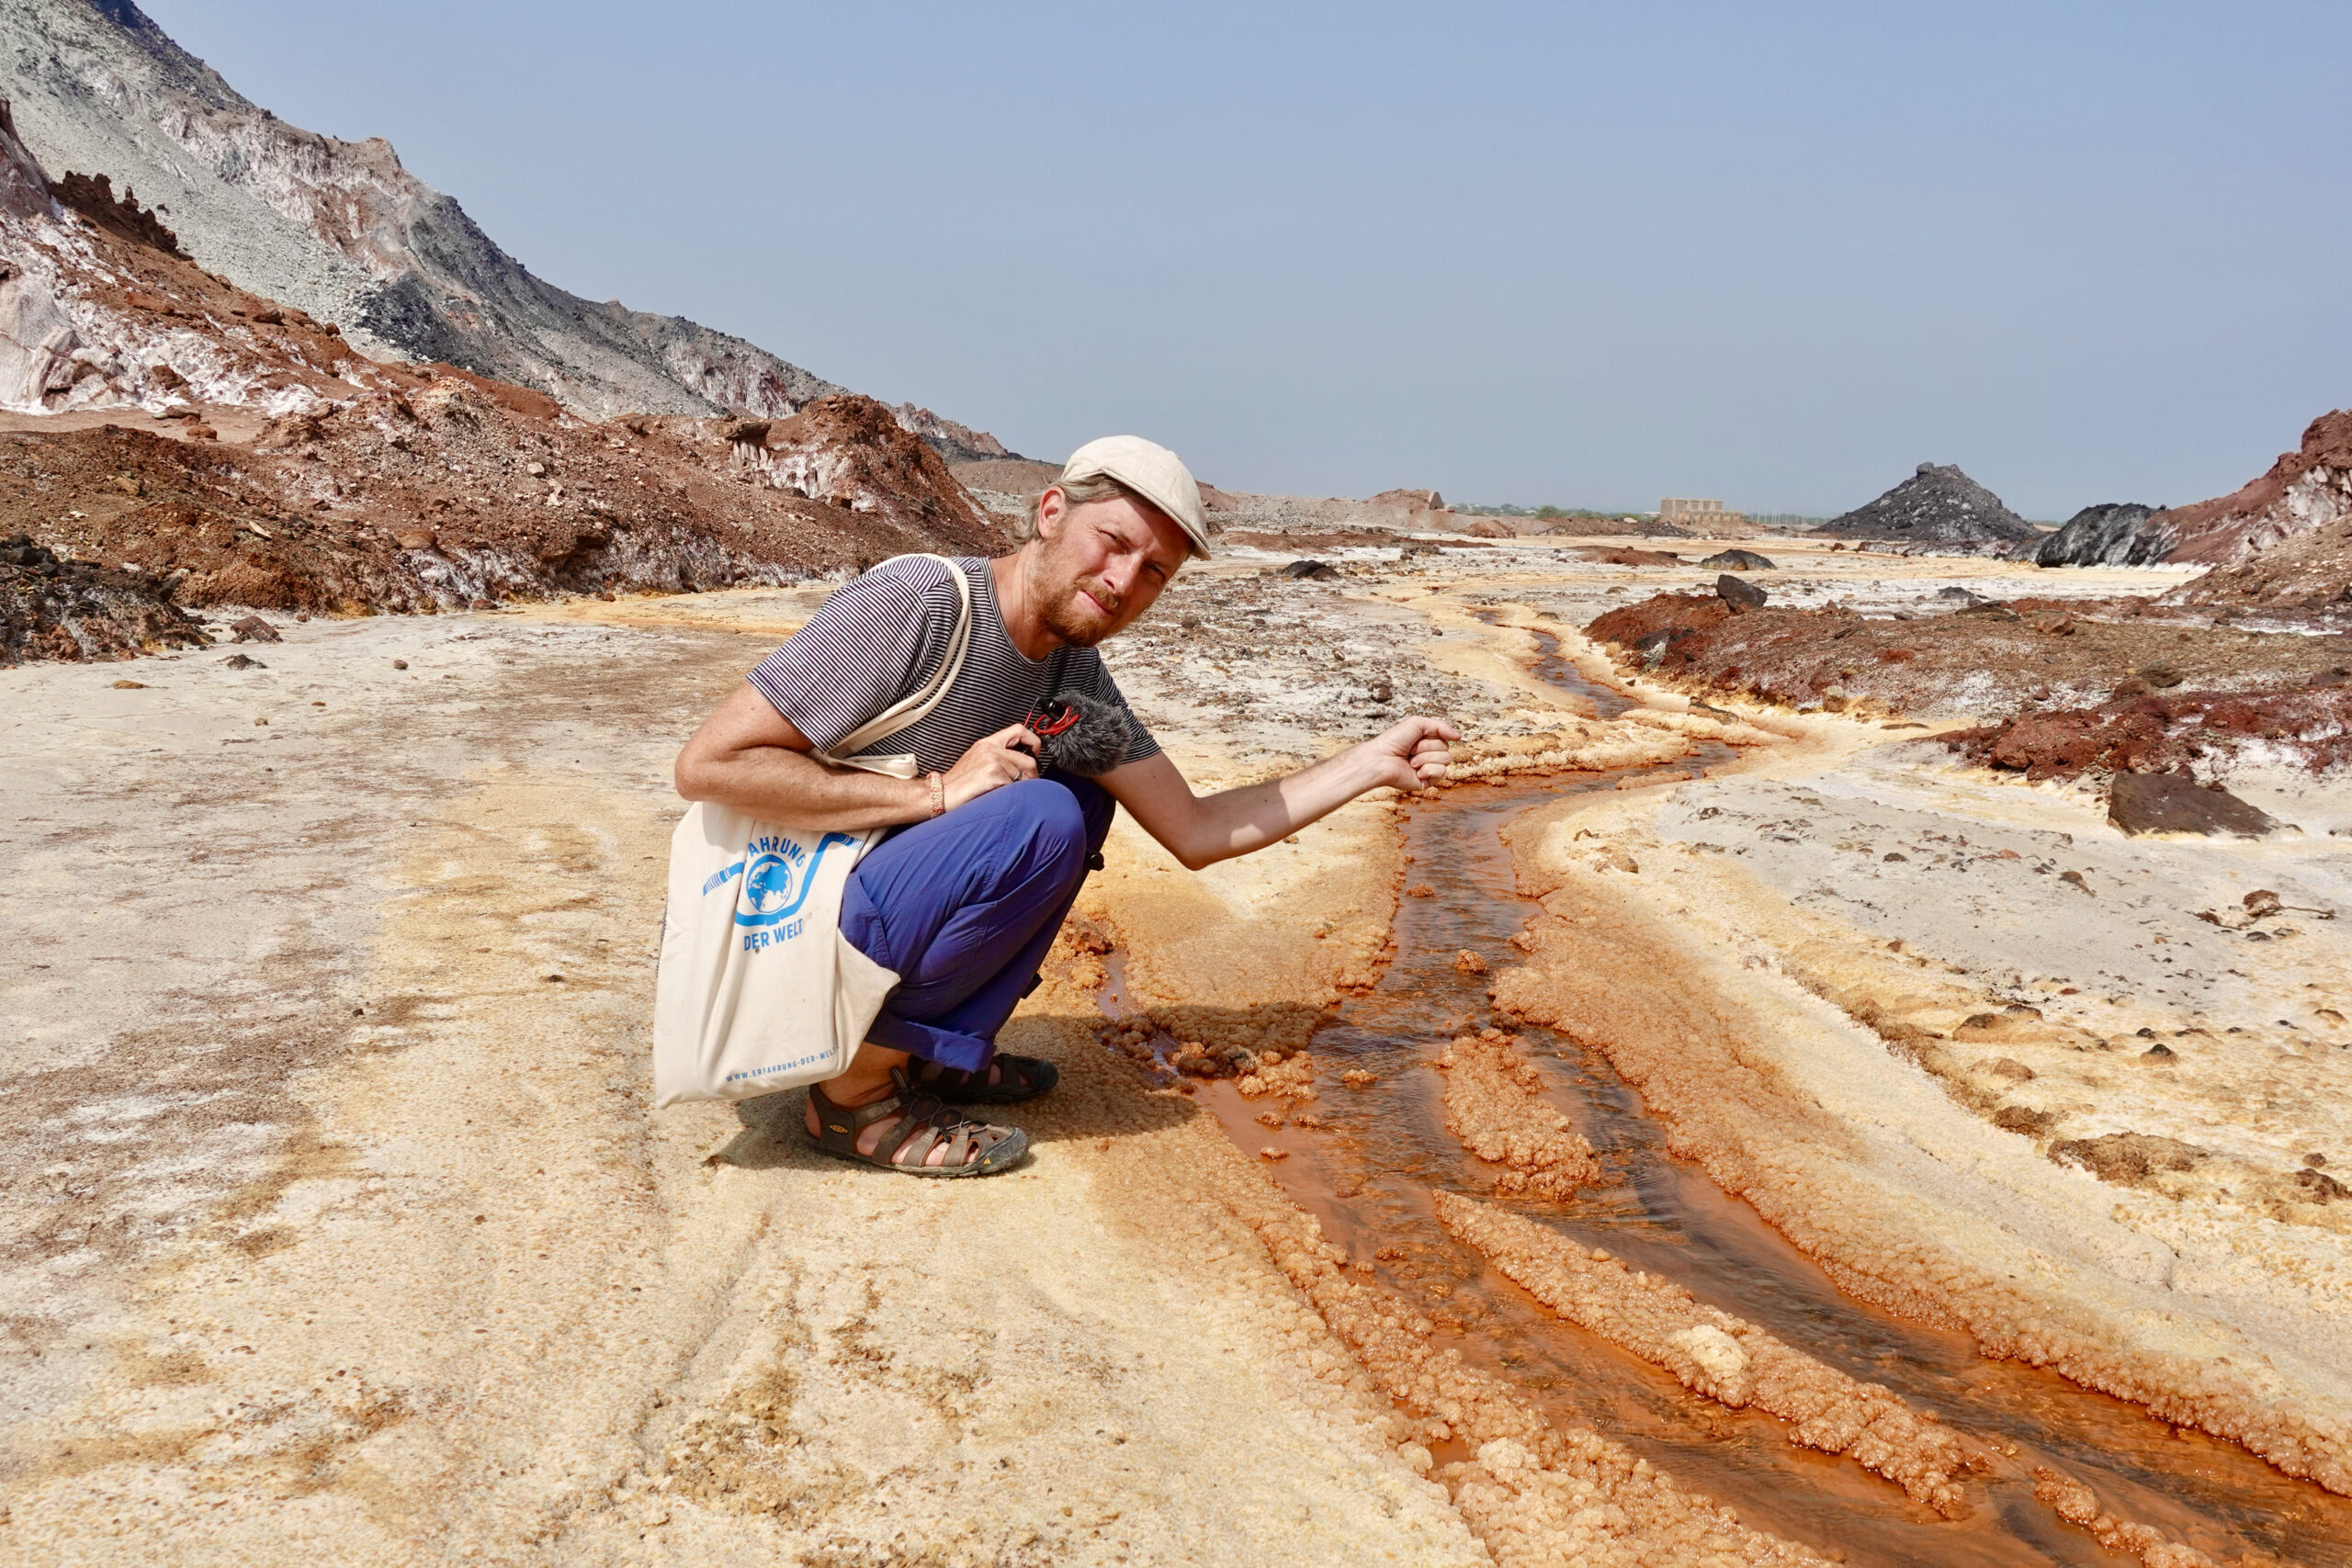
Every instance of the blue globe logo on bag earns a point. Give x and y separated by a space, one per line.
778 872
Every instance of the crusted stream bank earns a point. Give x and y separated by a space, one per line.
1370 1155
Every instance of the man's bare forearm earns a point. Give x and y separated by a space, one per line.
1237 821
792 789
1201 831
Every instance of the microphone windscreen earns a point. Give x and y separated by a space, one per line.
1095 744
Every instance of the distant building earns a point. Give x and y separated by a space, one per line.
1705 516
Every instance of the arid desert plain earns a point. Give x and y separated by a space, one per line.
1707 1130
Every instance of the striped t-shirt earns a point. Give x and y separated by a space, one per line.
879 638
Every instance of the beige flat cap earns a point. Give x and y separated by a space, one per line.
1153 472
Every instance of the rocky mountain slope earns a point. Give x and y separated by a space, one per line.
2283 541
1938 505
341 231
176 440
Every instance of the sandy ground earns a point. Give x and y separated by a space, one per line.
340 1225
338 1219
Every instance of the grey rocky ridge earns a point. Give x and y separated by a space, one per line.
2113 533
341 231
1936 505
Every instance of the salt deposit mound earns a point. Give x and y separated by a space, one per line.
1936 506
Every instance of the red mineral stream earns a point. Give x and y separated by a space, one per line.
1369 1174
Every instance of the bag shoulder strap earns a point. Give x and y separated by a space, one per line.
916 704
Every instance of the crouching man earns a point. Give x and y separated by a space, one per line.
964 898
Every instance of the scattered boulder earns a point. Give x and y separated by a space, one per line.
1738 561
1936 505
253 628
1314 570
1739 593
2175 803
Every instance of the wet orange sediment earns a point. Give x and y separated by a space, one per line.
1537 1496
1522 1514
1713 1353
1612 974
2078 1505
1493 1104
1641 737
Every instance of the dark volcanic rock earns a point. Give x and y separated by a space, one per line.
1321 572
1738 561
52 607
2174 803
1934 506
2115 533
1739 594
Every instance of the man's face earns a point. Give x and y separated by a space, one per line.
1101 565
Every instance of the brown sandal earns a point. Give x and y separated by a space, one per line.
975 1148
1017 1078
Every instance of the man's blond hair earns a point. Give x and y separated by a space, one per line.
1077 492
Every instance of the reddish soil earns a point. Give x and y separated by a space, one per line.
1305 539
2168 732
1627 557
405 487
1587 527
1990 658
429 499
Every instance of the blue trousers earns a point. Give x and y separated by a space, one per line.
963 908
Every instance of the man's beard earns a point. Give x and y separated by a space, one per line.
1073 623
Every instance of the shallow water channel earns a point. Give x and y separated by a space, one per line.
1369 1175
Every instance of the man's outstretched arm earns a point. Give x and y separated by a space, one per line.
1202 830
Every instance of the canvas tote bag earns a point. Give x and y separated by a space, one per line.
758 990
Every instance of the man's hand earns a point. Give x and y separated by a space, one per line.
993 762
1411 755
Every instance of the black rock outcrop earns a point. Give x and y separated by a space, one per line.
1936 505
2115 533
1739 593
2175 803
1738 561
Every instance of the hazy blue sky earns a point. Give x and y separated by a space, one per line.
1583 253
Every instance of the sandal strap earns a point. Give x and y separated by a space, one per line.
926 1122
